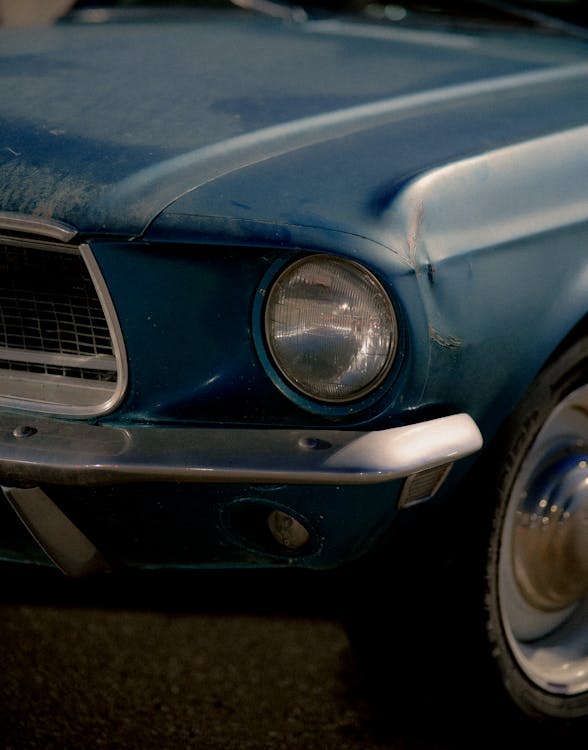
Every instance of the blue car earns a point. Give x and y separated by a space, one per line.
308 287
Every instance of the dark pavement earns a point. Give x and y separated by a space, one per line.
215 660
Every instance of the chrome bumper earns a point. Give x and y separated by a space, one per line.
43 450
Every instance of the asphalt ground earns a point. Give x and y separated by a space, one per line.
210 661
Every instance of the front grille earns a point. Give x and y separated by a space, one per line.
56 344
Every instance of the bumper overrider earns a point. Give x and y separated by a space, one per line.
42 451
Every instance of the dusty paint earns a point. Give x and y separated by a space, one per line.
43 192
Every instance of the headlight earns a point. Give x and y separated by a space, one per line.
330 328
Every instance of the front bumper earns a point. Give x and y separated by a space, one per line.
41 452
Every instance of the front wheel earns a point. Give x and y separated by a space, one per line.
537 597
482 601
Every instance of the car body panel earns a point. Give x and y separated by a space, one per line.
451 165
142 143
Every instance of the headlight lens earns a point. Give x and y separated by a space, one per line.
330 328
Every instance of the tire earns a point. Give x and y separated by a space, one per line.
480 602
537 572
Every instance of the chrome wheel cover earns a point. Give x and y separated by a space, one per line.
543 558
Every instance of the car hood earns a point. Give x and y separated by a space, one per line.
105 126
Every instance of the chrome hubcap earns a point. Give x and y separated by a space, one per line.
543 564
550 536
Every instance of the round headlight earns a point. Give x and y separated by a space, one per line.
330 328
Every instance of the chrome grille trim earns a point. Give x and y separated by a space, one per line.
37 225
116 336
61 348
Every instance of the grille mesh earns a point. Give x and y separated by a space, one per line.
51 319
48 303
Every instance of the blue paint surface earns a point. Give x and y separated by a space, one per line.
197 158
